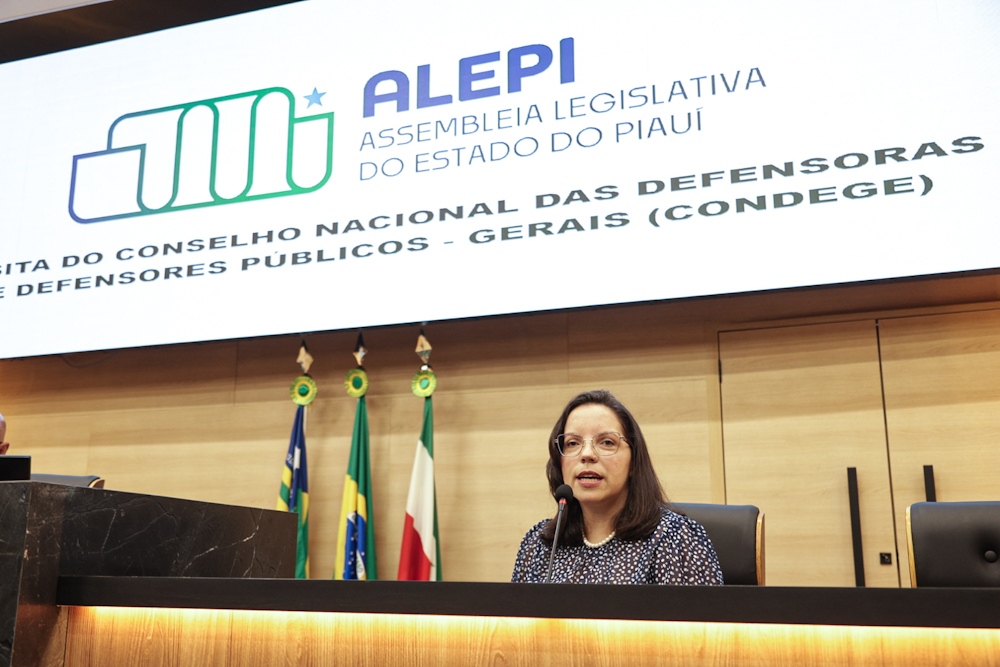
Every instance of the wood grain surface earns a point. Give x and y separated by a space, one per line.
800 406
942 408
112 637
211 421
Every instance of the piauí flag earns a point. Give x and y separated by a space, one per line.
356 536
420 559
294 494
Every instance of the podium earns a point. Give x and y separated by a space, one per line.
53 530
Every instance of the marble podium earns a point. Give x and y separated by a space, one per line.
52 530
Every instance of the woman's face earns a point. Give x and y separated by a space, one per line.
599 483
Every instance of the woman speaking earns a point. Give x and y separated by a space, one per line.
617 528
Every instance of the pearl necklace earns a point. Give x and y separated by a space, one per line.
595 545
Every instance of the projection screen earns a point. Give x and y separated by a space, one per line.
327 165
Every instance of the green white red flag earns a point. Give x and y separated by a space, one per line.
420 558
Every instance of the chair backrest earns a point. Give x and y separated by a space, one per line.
954 544
93 481
737 533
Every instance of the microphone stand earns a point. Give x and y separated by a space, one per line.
555 539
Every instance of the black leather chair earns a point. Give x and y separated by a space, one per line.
737 533
954 544
93 481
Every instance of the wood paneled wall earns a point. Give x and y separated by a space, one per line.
211 421
801 405
942 388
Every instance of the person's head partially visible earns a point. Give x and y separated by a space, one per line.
3 434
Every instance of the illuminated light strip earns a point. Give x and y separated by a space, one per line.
104 635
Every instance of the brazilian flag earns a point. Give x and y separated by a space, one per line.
356 535
294 494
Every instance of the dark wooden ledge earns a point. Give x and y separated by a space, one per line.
929 607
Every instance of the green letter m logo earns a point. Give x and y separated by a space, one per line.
208 153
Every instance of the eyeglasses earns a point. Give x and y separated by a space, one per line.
605 444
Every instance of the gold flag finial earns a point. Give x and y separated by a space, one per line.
356 382
424 382
360 350
304 388
305 359
424 348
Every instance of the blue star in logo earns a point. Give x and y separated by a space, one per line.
314 98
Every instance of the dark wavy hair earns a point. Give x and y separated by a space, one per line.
642 511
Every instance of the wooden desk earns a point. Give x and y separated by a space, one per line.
263 622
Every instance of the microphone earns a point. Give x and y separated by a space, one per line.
564 494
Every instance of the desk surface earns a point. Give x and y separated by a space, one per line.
925 607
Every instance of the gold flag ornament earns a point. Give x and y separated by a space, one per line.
305 359
424 348
304 388
424 382
356 381
360 351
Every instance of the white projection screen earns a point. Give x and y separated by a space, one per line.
326 164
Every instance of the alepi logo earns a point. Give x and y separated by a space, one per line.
212 152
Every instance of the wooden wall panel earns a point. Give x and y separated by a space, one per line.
211 453
136 378
212 421
630 343
63 440
942 387
800 406
209 638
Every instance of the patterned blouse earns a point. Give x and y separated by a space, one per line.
678 551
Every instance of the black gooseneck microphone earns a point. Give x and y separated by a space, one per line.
564 494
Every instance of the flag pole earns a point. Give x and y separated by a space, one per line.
356 530
293 496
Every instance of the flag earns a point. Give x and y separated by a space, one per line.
420 559
356 535
294 493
